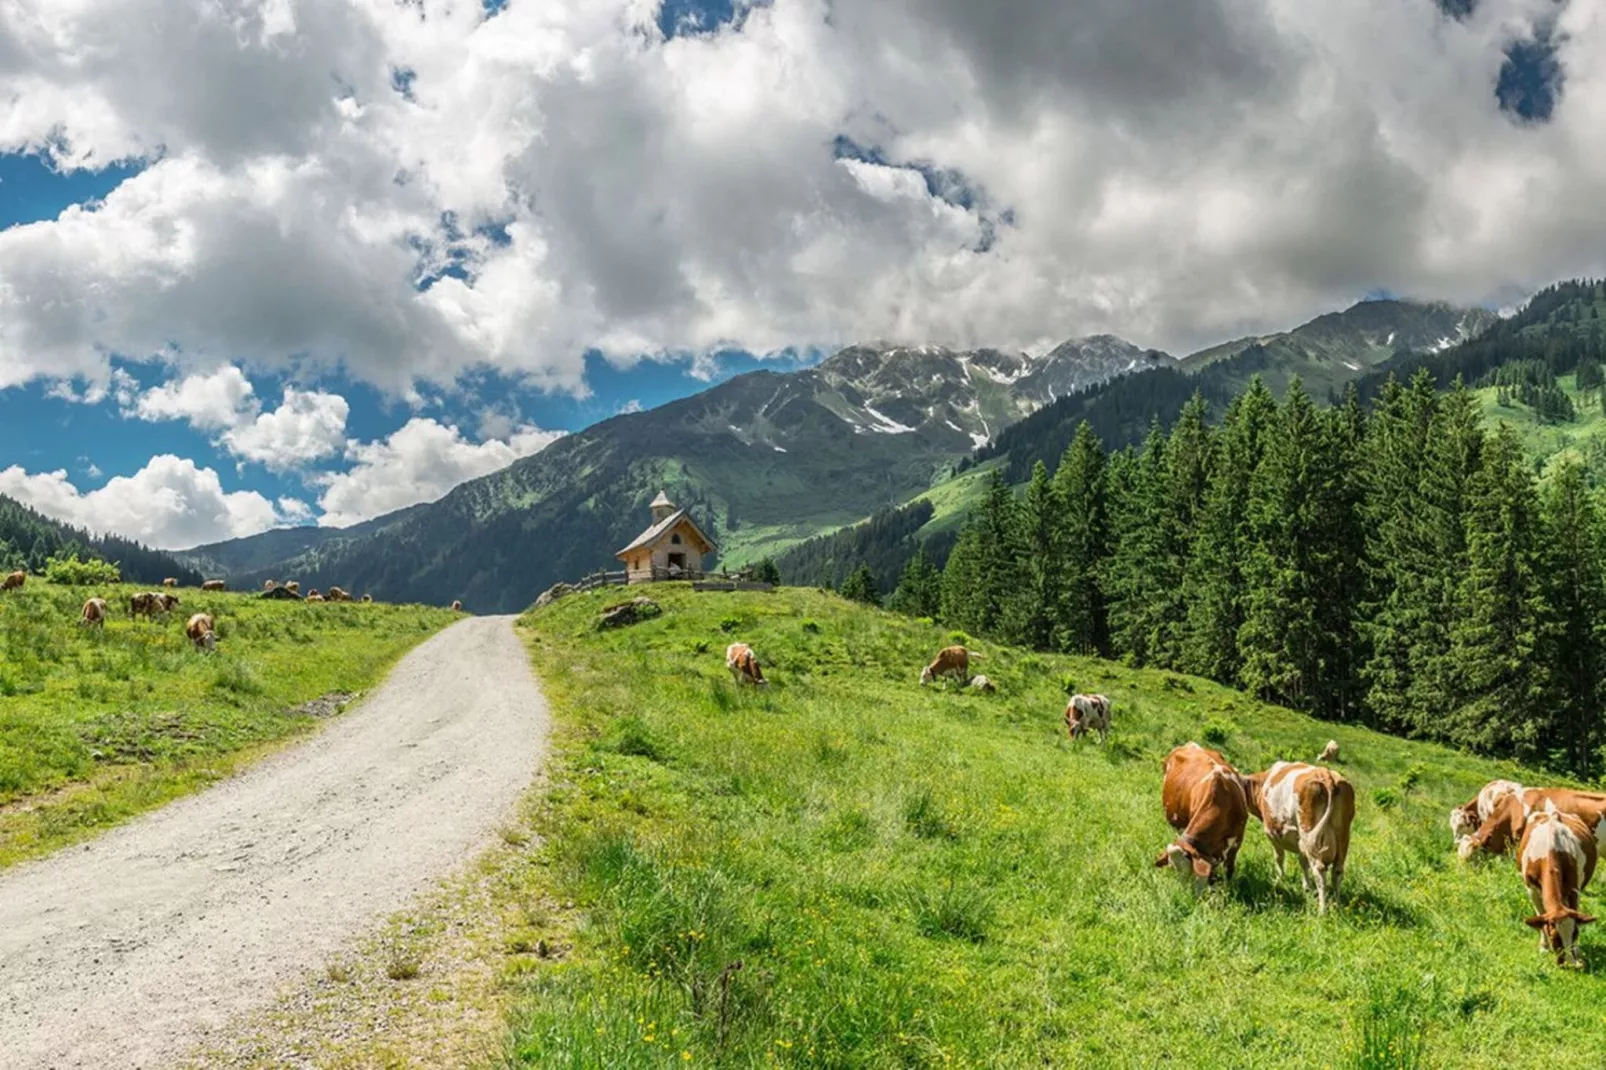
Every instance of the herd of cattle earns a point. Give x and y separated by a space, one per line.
1308 809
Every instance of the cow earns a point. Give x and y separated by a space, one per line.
13 580
1557 859
743 665
367 598
168 601
314 596
1087 713
214 585
1329 753
94 615
145 604
337 595
457 607
1308 810
1508 821
268 585
170 582
1205 801
1465 819
294 587
202 632
950 661
981 685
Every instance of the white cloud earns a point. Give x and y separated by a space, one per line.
420 462
633 405
308 426
170 503
209 401
1174 173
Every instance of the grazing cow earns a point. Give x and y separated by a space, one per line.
1508 821
294 586
268 585
1557 859
982 685
13 580
1087 713
1465 819
743 664
367 598
1329 753
314 596
168 602
337 595
202 632
457 607
214 585
145 604
950 661
170 582
94 615
1205 801
1308 810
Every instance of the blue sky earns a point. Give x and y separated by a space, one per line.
323 260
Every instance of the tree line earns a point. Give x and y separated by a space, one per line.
29 540
1398 566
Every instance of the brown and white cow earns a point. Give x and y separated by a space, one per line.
1509 820
1206 802
13 580
950 661
294 586
1465 819
338 595
1557 859
743 665
202 632
94 615
314 596
168 602
1308 810
1087 713
268 585
214 585
981 685
1329 753
170 582
457 607
145 604
367 598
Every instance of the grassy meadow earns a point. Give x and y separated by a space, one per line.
97 725
847 870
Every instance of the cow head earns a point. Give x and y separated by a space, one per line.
1464 820
1558 930
1188 861
925 676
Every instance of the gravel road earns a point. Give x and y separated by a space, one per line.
131 949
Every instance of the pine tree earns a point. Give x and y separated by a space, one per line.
919 592
1502 623
766 571
1079 485
860 586
1213 585
987 577
1187 469
1031 611
1135 519
961 599
1576 597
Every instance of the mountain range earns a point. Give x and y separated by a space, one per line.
766 460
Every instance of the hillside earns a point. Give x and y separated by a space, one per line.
99 725
915 876
763 460
28 539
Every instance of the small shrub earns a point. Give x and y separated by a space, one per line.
1413 776
812 627
729 624
926 622
630 736
72 572
1217 732
960 913
959 638
1385 798
700 646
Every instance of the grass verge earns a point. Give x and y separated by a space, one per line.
845 869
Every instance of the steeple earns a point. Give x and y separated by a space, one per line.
661 507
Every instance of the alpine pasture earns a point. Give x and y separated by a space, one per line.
98 724
847 869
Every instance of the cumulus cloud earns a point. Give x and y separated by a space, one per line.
308 426
170 503
559 177
420 462
209 401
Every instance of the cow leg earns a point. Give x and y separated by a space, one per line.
1232 858
1319 873
1538 902
1337 872
1277 852
1304 871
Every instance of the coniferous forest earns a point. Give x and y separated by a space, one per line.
1396 565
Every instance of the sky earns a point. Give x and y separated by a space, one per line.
270 262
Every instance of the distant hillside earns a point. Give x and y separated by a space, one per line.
28 539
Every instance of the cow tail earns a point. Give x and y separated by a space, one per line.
1311 842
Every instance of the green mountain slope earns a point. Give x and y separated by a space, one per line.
28 539
920 876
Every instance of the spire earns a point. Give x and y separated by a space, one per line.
661 507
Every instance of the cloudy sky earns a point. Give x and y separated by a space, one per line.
306 261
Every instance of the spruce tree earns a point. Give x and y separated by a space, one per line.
860 586
1575 646
1135 518
919 591
1187 469
961 581
1079 485
1031 612
1502 624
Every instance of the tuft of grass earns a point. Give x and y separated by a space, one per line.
847 869
1217 732
402 966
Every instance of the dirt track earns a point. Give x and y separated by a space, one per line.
131 949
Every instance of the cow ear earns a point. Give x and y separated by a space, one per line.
1582 919
1162 860
1535 922
1201 869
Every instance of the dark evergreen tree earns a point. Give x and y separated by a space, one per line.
860 586
767 572
919 591
962 599
1033 607
1134 605
1079 485
1576 644
1187 469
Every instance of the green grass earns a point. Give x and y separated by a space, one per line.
845 869
98 725
1549 443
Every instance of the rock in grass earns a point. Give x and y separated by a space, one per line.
552 594
626 613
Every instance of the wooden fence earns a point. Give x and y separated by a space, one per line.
700 581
